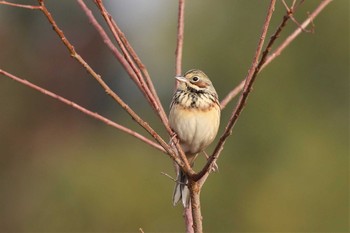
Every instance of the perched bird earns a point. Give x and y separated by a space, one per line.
195 117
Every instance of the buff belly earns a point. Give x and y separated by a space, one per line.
196 128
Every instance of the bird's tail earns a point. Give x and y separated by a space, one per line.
181 191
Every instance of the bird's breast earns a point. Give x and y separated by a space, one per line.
196 127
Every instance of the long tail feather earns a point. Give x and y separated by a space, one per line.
181 191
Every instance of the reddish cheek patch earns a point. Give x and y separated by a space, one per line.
201 84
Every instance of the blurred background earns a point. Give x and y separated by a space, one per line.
284 169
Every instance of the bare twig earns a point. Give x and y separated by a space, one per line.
297 32
180 37
291 10
84 110
273 38
31 7
187 214
232 94
124 62
178 71
169 176
178 64
135 65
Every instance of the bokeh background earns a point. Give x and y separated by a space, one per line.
284 169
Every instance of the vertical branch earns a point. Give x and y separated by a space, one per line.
195 189
178 68
187 214
188 217
180 37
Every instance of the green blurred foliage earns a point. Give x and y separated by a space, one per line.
284 169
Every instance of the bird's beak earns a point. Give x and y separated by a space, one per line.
181 79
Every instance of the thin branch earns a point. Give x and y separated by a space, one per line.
31 7
296 33
232 94
251 76
109 43
273 38
145 84
169 176
136 77
291 11
121 40
188 219
157 106
83 110
149 83
186 167
195 190
178 71
180 37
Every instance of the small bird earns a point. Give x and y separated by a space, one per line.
195 117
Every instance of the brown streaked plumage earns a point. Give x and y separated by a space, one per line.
195 118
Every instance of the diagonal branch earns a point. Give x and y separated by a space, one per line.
137 67
83 110
31 7
296 33
249 81
273 38
232 94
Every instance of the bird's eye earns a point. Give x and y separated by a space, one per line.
195 79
